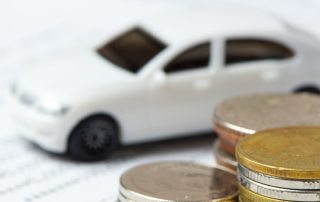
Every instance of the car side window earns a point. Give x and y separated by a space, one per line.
196 57
247 50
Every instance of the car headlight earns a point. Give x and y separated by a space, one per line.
52 107
46 106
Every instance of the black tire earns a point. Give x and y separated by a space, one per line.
93 139
308 89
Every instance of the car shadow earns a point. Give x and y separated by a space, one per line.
195 141
156 148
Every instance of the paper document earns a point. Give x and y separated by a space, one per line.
28 174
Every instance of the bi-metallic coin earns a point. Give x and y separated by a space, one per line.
288 153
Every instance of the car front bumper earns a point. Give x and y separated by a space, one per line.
49 132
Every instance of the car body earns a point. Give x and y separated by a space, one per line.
162 77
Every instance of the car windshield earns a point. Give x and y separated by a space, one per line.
132 50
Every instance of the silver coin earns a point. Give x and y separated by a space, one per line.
279 182
250 113
223 158
177 182
279 193
122 198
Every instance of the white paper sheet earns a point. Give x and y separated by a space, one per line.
28 174
34 30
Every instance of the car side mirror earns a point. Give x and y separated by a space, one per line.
158 78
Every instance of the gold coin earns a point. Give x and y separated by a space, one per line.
251 113
177 182
249 196
290 153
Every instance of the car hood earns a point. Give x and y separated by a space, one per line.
67 79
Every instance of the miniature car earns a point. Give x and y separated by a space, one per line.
160 79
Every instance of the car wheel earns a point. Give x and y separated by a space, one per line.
93 139
308 89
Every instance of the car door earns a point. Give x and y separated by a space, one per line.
252 65
181 103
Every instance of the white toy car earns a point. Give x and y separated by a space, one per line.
160 79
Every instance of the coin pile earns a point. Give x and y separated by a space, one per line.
270 139
177 182
280 165
245 115
224 158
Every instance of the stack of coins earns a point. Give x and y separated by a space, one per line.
245 115
177 182
280 165
224 158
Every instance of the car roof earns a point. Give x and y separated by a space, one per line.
184 26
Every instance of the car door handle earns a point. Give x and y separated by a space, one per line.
201 84
270 75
